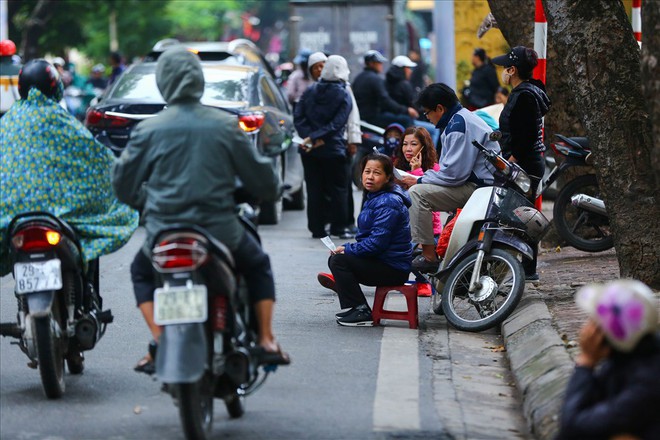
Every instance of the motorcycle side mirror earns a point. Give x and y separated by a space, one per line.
495 136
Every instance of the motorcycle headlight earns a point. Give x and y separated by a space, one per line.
523 182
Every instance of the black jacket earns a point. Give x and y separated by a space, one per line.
322 113
398 87
621 397
521 120
372 97
483 85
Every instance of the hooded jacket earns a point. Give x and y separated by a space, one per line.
398 87
384 229
182 165
521 120
323 110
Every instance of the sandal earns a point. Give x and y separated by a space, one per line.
146 364
265 357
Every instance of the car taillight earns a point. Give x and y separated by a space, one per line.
180 253
35 238
251 122
99 119
219 313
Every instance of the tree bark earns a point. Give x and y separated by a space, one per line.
34 28
599 57
651 72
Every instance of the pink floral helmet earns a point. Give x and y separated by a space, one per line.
625 309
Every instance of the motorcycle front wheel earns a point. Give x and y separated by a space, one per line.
196 407
503 282
50 353
584 230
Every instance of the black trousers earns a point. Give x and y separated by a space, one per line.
534 166
250 259
351 271
326 179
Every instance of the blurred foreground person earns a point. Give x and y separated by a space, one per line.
615 390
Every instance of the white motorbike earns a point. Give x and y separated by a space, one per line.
481 276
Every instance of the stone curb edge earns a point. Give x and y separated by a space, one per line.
539 362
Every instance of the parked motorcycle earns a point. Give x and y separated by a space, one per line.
481 276
579 214
372 137
59 309
208 348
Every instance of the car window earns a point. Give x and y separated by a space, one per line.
270 94
221 84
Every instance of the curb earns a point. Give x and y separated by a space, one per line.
539 363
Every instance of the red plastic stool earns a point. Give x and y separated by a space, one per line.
409 291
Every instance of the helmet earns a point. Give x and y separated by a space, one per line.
374 55
40 74
7 48
626 311
59 61
534 222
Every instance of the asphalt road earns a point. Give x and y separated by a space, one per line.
344 383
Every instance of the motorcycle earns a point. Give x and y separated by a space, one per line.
481 276
372 137
208 347
579 214
59 309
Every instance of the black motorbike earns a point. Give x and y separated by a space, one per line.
208 348
579 213
59 308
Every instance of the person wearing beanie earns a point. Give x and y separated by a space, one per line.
315 64
614 392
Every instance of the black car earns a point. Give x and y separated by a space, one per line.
247 91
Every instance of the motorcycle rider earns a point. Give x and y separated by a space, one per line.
8 76
462 168
375 104
181 167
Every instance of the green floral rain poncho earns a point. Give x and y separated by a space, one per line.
50 162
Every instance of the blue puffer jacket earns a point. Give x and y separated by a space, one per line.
384 229
322 113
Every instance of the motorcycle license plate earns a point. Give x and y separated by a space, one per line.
180 305
38 276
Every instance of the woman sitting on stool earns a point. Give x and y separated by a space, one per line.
382 255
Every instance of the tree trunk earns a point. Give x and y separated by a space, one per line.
598 56
651 72
515 19
34 28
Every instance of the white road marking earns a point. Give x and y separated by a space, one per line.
396 404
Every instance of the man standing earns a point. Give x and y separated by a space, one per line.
375 104
462 168
8 76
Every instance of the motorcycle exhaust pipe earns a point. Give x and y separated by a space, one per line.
86 330
589 203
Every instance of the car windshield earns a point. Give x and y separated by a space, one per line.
223 84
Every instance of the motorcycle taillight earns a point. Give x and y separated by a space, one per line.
35 239
219 313
180 252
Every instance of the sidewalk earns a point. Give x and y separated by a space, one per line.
541 335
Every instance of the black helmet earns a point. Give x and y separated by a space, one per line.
40 74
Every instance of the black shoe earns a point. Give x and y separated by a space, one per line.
532 277
344 234
314 235
343 314
421 264
352 229
359 316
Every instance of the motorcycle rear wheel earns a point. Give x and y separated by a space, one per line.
474 316
584 230
50 354
196 407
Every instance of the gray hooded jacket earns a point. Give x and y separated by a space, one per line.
181 166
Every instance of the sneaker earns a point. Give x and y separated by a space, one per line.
342 314
359 316
424 289
343 234
326 280
532 277
421 264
